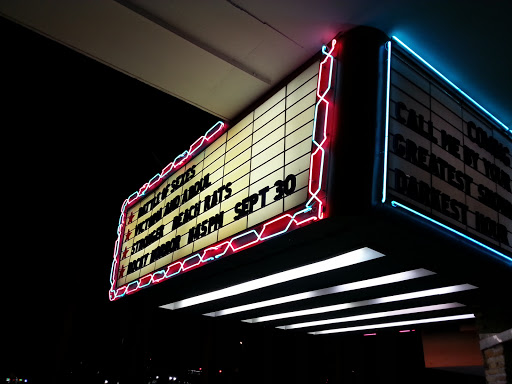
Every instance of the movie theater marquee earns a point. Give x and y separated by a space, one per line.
445 158
252 172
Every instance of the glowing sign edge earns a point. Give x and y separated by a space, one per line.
460 91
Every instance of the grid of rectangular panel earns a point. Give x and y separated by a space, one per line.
468 173
270 144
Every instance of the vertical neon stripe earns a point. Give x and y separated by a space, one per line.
386 133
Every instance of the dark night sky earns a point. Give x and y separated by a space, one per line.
78 138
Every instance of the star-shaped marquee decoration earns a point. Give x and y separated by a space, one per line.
121 271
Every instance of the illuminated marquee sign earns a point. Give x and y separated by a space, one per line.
447 159
232 189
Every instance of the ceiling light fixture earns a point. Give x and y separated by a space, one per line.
340 261
376 281
380 300
374 315
395 324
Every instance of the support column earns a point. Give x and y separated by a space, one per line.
497 352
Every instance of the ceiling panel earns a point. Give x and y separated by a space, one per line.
222 55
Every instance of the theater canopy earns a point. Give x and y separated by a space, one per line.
331 201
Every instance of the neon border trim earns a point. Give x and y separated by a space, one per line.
485 111
396 204
313 210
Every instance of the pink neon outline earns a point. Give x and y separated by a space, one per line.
217 247
193 147
321 98
128 290
252 231
122 290
167 169
273 221
149 278
172 265
152 183
155 279
185 156
193 265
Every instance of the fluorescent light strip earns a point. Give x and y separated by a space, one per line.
395 324
396 204
340 261
381 300
507 129
374 315
382 280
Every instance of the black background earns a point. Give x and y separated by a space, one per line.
77 139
